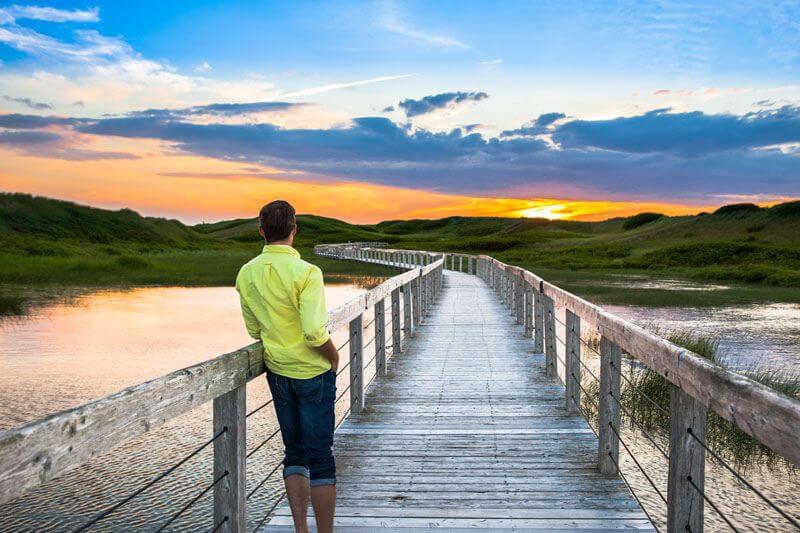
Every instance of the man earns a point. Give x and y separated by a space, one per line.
283 303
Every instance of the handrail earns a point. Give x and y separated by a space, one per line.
760 411
43 449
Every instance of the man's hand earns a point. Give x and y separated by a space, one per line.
329 352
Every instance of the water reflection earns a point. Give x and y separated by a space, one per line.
764 334
65 354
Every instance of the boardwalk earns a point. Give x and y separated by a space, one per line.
467 431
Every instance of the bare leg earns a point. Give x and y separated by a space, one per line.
323 498
297 490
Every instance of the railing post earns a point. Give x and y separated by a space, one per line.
528 310
229 456
520 299
572 360
550 335
380 338
610 365
415 305
538 322
408 321
396 346
687 417
356 365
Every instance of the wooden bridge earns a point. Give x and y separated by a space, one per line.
476 417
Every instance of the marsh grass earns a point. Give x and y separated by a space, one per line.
722 436
12 305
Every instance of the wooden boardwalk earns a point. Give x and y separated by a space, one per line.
468 432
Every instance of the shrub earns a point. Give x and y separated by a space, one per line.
755 228
640 220
132 261
786 209
736 208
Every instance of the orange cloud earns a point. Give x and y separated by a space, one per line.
196 189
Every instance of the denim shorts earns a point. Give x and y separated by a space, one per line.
305 409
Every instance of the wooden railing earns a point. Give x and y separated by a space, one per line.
696 384
45 449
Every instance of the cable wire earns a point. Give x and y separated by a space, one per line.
150 483
274 505
637 462
642 394
191 502
260 483
257 409
702 493
254 450
749 485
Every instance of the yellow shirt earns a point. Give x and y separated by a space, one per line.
283 303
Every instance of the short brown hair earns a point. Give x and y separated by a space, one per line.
277 220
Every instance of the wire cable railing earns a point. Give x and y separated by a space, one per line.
192 502
155 480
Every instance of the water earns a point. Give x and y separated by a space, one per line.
764 334
65 354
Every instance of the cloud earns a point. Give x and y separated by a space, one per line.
686 134
204 67
491 62
50 14
659 154
26 122
388 109
391 19
346 85
106 72
27 102
27 137
538 126
225 110
429 104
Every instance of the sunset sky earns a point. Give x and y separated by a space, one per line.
367 111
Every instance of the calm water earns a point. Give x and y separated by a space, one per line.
65 354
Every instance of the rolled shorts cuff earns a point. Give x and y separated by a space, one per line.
295 470
323 481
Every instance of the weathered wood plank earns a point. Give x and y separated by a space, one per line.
229 461
41 450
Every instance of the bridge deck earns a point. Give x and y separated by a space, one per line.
467 431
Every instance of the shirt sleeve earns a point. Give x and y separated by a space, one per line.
313 311
250 321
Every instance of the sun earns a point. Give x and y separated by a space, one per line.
551 212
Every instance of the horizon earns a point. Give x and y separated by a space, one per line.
367 111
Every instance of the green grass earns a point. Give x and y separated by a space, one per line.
755 251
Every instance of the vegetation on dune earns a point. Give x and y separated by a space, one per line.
640 220
50 241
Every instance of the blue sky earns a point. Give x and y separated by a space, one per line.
691 103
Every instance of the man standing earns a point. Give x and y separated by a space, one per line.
283 303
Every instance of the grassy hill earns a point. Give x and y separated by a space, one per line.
47 241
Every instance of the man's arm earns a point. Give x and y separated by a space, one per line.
314 317
329 352
250 321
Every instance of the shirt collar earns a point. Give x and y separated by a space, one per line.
280 249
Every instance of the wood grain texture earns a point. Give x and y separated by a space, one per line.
468 432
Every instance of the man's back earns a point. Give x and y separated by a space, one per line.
283 302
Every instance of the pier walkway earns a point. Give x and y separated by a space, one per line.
468 431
